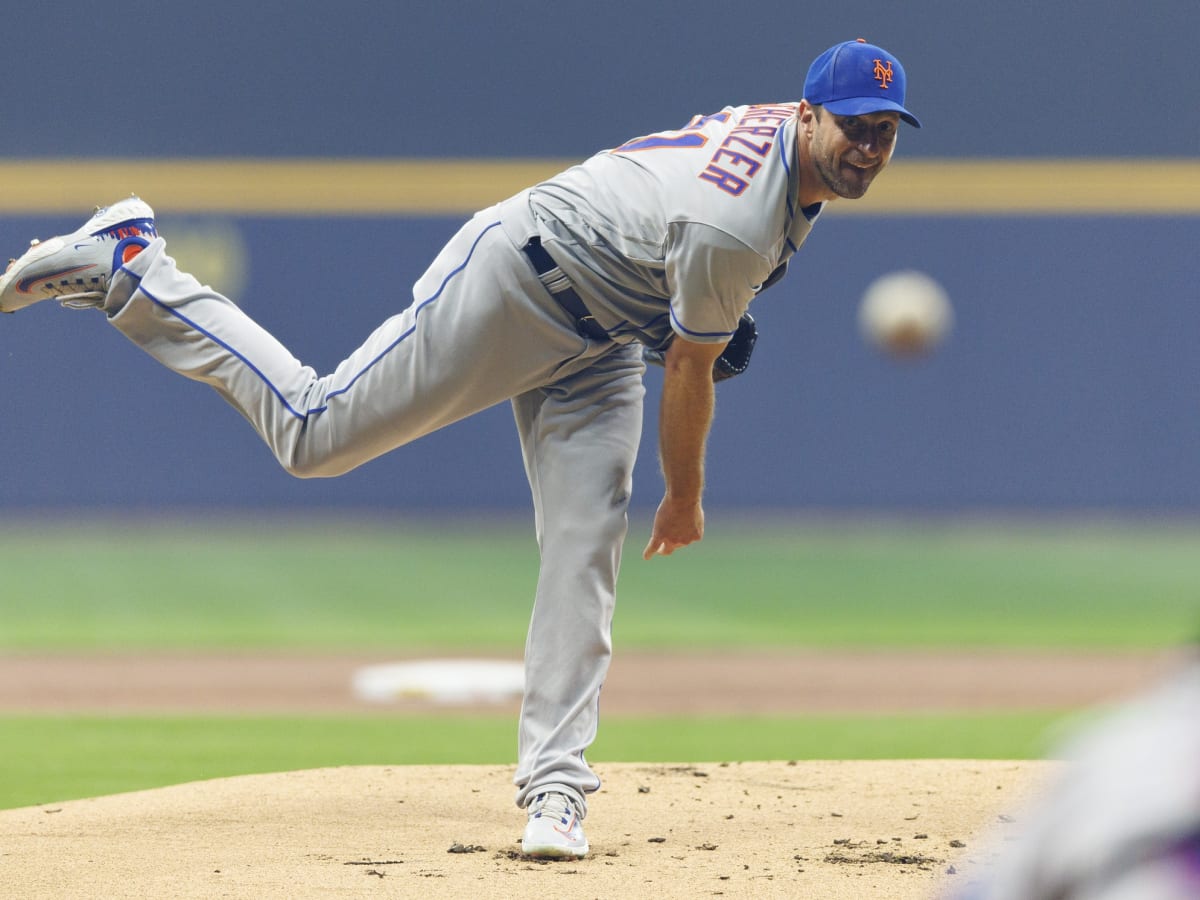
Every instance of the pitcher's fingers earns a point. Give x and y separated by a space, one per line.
654 547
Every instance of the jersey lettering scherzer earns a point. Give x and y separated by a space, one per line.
674 233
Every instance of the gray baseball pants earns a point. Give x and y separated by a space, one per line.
481 329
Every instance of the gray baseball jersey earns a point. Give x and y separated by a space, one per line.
669 234
678 231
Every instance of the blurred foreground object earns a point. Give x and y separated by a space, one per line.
905 314
1123 821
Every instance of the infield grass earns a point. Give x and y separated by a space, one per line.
337 585
49 759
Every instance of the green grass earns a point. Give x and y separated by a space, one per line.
338 585
322 586
50 759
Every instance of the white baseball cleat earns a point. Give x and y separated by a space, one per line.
75 269
555 828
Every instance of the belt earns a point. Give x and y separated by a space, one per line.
560 289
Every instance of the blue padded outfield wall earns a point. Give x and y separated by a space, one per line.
1071 381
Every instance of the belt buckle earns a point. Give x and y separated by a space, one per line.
588 327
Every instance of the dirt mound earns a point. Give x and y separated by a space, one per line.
892 829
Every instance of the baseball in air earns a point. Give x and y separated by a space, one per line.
906 314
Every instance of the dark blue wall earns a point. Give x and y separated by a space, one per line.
530 78
1070 381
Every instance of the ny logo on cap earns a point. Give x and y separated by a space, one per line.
883 73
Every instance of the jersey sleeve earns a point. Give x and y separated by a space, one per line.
712 278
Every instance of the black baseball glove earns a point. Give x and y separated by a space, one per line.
734 359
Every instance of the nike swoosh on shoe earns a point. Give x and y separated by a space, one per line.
24 285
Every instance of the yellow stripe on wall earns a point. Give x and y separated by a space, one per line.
430 187
1028 187
270 186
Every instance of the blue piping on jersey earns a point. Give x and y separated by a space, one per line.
216 340
779 142
634 327
342 390
654 322
700 334
416 312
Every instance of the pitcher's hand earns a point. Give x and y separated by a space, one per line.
675 525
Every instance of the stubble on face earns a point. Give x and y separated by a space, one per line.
842 167
837 178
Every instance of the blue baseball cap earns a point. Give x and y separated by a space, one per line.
854 78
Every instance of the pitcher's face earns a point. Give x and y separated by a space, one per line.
847 152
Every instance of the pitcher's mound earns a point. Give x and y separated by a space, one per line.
854 830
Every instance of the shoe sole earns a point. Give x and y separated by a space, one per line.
114 216
555 852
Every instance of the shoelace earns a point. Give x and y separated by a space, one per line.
554 805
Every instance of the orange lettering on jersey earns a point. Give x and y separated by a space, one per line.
726 181
767 113
737 159
883 74
771 118
760 149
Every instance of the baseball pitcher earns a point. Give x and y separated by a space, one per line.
553 300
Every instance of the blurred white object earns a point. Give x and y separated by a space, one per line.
450 681
905 313
1123 823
